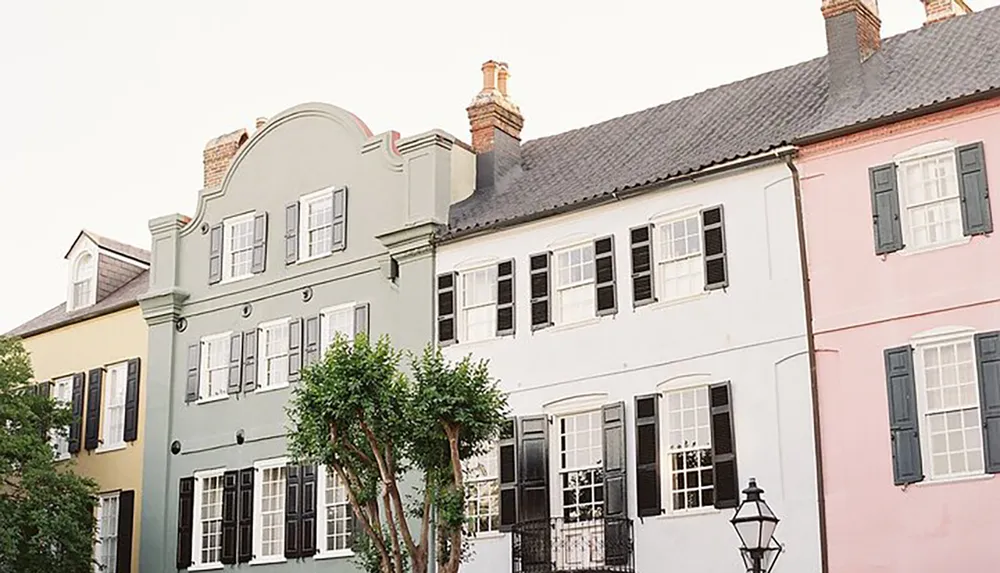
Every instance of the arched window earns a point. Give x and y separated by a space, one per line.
83 280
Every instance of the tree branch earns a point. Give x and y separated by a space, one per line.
365 522
456 470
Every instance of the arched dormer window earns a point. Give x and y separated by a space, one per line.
83 281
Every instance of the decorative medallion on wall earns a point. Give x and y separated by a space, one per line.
175 447
307 294
240 437
247 310
204 228
181 324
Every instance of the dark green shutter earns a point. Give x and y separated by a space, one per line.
616 526
235 363
307 527
92 430
293 500
604 276
713 232
533 493
446 327
192 391
259 254
647 455
541 287
185 521
724 469
230 500
215 254
641 247
244 521
76 425
250 360
885 209
903 421
132 400
507 451
294 349
505 298
338 229
988 364
126 515
977 218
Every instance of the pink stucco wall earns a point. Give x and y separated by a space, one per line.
863 304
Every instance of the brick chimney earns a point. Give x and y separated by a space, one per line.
495 122
938 10
218 153
853 34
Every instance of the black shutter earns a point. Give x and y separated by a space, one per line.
230 501
988 361
250 360
361 319
713 232
977 218
307 507
616 526
291 233
126 514
193 370
507 451
293 513
45 389
185 522
92 436
533 481
259 259
215 254
724 470
311 352
235 363
339 229
642 265
505 298
294 349
903 422
885 209
541 299
446 308
604 272
647 455
132 400
76 425
244 520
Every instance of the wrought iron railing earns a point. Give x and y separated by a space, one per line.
556 546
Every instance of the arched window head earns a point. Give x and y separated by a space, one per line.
83 280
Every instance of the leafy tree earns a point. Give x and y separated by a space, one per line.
385 434
46 516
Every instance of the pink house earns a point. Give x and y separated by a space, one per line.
904 286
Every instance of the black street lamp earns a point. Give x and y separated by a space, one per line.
755 524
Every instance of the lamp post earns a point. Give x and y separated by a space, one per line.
755 524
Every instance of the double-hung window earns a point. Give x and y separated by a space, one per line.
336 320
948 399
479 304
237 254
316 213
574 284
689 449
62 393
113 424
581 467
680 270
214 366
83 281
106 541
207 538
482 492
269 510
336 523
930 195
272 340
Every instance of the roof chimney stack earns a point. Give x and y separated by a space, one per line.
938 10
853 34
218 153
495 122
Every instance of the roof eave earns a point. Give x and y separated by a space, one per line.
76 319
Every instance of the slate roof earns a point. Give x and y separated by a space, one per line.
119 247
948 61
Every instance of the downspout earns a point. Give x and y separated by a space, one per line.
811 347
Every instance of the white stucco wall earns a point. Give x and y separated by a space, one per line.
752 334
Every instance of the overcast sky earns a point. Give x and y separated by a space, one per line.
108 104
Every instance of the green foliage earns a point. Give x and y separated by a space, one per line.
360 415
46 516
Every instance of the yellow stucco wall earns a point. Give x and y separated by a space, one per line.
79 347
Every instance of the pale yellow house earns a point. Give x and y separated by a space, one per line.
90 353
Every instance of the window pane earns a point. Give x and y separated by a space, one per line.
930 191
690 446
575 265
582 474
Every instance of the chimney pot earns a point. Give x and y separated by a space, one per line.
939 10
489 75
502 76
260 123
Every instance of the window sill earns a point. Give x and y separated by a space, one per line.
268 560
953 480
487 536
212 399
267 389
115 448
578 324
206 567
481 342
691 513
235 279
906 252
312 258
333 554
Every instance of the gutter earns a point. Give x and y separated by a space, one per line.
811 348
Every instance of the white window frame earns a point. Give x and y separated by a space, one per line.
111 443
75 279
666 462
325 194
659 223
325 336
556 457
923 342
62 392
101 535
321 519
204 372
199 480
931 151
261 355
558 291
228 225
491 479
464 310
258 516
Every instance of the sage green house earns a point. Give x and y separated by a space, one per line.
307 227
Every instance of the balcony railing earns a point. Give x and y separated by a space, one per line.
557 546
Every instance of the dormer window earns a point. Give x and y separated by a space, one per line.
83 281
